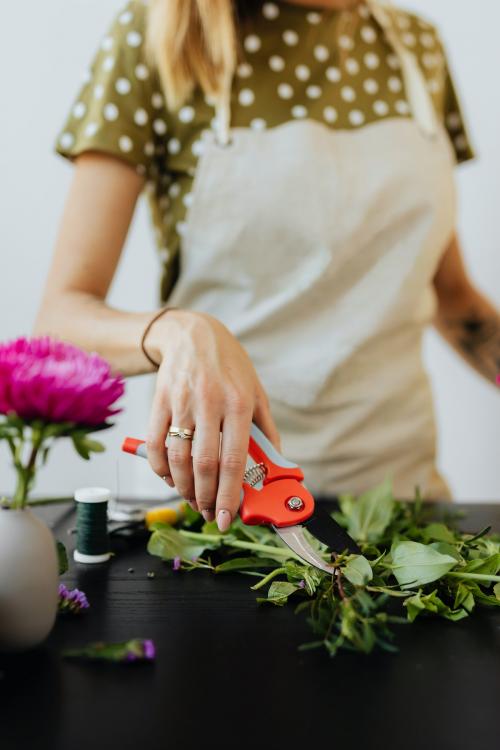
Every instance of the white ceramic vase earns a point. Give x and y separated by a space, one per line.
29 577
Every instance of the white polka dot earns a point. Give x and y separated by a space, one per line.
125 143
330 114
174 190
409 39
394 84
434 86
140 116
347 93
290 37
246 97
252 43
333 74
123 86
299 111
79 110
173 146
99 91
453 120
198 148
126 17
346 42
66 140
186 114
371 60
134 39
370 85
313 92
141 71
285 91
429 60
188 200
270 11
302 72
460 142
403 22
368 34
111 112
380 108
149 148
91 129
159 126
352 66
107 43
108 63
314 18
321 53
393 61
427 40
181 227
258 124
276 63
244 70
356 117
402 107
157 100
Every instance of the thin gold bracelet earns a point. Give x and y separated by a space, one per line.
146 331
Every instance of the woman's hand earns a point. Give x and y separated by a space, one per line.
207 382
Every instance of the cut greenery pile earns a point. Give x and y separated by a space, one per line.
428 565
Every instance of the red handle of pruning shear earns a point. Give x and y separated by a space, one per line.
282 499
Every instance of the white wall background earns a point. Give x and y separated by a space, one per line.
43 56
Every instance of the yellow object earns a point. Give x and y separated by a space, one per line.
168 515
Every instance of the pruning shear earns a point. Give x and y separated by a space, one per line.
273 493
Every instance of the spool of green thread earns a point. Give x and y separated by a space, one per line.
92 541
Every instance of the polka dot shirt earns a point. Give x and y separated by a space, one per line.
333 67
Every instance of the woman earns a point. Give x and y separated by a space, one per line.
298 158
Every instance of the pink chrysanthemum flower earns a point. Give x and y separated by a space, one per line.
50 380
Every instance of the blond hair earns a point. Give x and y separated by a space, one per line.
192 42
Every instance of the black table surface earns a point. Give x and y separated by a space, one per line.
228 672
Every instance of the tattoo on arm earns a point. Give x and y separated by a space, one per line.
476 336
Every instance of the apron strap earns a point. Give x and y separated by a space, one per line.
419 98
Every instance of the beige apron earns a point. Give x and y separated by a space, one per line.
317 249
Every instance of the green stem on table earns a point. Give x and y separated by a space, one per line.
269 577
254 546
475 576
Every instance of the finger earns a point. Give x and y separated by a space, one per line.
157 433
264 420
233 457
179 458
206 464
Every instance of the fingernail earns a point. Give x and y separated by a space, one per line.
169 481
208 515
223 520
193 505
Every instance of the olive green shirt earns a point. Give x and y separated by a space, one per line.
331 66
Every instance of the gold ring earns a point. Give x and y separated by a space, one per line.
181 432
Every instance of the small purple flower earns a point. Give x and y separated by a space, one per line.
74 601
139 649
302 584
124 652
176 565
149 649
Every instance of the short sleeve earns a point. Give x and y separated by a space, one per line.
114 109
454 121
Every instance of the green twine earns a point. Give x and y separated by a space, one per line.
92 529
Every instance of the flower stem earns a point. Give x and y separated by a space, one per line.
26 473
269 577
475 576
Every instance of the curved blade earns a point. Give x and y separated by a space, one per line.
329 532
294 537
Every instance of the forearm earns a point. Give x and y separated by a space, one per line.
90 323
471 324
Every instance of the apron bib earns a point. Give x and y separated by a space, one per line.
317 249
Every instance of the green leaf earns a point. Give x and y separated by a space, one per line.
168 543
464 597
447 549
279 591
438 532
485 565
434 605
369 515
80 446
62 557
358 570
496 590
414 564
243 563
